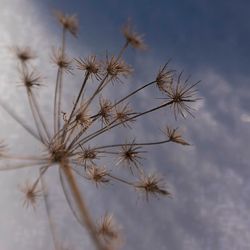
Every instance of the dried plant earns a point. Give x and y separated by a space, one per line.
68 144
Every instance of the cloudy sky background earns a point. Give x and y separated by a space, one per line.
209 180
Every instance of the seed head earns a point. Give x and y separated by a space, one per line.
89 65
174 136
97 174
108 231
181 94
117 68
31 194
132 37
164 78
68 22
130 156
31 79
152 185
105 112
23 54
123 115
87 155
83 117
61 60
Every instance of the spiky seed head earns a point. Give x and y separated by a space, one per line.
164 78
123 115
175 136
68 22
31 194
132 37
87 155
31 79
109 232
105 112
116 68
181 94
130 156
59 58
97 174
153 185
89 65
83 117
23 54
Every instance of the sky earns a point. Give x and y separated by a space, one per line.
208 180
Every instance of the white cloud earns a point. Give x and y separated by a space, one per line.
245 118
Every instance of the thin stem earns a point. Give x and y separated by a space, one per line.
7 167
20 122
60 86
96 92
35 118
120 179
42 172
132 93
78 197
74 107
122 50
47 208
55 99
59 102
132 144
71 131
79 95
17 157
101 131
74 141
78 135
40 115
123 99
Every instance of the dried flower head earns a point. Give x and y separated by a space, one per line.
132 37
97 174
23 54
89 65
181 94
105 112
108 231
164 78
123 115
31 194
87 156
68 22
83 117
117 68
31 79
174 136
61 60
152 185
130 155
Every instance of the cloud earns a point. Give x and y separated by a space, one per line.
245 118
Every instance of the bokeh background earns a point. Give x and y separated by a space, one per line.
209 180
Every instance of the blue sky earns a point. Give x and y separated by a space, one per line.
195 33
209 180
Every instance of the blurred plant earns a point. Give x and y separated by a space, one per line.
67 145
